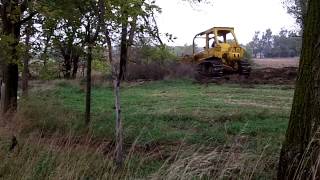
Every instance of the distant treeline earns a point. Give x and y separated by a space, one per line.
267 45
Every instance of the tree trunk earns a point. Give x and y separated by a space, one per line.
88 92
117 81
10 82
11 28
300 151
123 51
75 61
45 56
116 85
25 73
119 128
67 66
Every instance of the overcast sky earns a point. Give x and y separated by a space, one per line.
247 16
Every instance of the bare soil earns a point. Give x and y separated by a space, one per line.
285 75
276 62
274 71
280 71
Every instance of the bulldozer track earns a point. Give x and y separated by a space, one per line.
212 68
244 68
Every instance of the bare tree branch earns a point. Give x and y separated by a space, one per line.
157 29
156 33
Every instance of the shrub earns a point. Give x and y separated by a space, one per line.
150 71
159 71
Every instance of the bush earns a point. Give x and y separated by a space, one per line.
181 70
159 71
38 71
150 71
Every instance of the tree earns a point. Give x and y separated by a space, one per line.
67 40
299 156
266 42
93 19
11 12
255 44
136 22
48 28
286 44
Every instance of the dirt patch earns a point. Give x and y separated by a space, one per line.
276 62
286 75
280 71
276 76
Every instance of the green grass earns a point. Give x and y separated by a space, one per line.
169 113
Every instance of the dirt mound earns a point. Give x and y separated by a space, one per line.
278 76
286 75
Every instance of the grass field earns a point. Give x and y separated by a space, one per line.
173 129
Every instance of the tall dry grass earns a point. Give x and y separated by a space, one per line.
55 159
70 156
309 165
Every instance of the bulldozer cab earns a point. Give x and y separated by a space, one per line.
222 36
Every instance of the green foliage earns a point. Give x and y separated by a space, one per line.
101 66
49 72
61 27
157 54
248 53
183 50
8 45
100 62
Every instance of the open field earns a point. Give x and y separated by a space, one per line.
276 62
173 129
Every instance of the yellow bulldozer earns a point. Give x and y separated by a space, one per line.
220 55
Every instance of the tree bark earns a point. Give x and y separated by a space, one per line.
88 91
10 82
123 51
11 28
117 82
119 128
116 85
300 150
